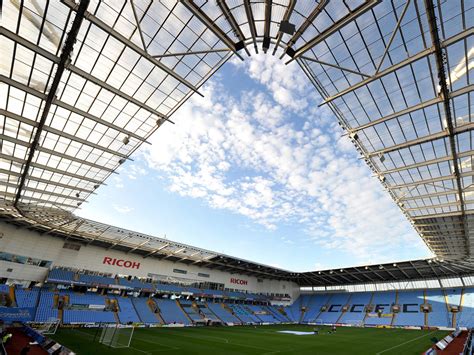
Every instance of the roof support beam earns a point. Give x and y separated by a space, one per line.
304 26
392 37
48 182
408 110
266 28
71 108
286 17
432 137
109 30
33 47
422 54
233 23
210 24
55 153
362 9
65 58
179 54
440 66
336 66
427 181
418 165
156 251
49 168
54 194
251 22
62 134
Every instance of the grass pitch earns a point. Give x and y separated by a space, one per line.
264 340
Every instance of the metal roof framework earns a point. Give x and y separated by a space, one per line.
83 84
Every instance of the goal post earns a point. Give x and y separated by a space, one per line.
355 322
116 336
49 327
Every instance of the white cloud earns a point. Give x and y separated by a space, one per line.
278 159
122 209
118 182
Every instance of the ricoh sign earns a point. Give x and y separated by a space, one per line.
128 264
238 281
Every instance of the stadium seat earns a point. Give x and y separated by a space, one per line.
171 312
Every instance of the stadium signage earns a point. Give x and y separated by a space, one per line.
238 281
121 263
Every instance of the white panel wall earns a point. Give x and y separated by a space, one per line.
28 243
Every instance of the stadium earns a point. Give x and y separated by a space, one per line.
87 85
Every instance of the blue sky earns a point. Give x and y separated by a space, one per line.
256 170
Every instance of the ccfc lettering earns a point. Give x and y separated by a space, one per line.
120 262
238 281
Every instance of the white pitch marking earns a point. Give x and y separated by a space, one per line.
408 341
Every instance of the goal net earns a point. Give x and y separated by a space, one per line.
116 336
49 327
318 321
355 322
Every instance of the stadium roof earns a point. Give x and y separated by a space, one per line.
83 85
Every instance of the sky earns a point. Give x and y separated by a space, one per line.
256 170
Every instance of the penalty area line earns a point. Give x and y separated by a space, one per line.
408 341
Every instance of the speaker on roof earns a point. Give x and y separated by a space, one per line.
287 27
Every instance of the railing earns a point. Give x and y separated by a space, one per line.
468 345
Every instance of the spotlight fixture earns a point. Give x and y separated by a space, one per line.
121 161
354 136
126 140
77 194
160 121
367 268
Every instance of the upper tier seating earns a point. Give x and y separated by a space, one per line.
61 275
171 312
27 297
85 298
135 283
94 279
144 311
